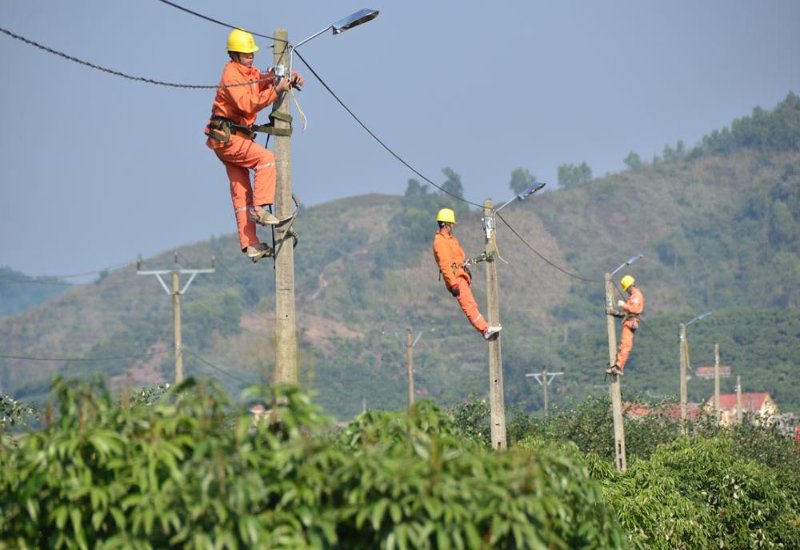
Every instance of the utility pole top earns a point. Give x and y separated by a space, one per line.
176 291
550 376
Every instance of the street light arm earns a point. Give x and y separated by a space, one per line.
630 261
353 20
699 317
316 34
528 191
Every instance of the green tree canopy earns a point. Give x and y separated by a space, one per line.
452 184
521 178
572 175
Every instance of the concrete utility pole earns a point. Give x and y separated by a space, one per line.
620 457
545 379
716 381
738 400
176 293
285 317
410 343
496 393
684 368
684 360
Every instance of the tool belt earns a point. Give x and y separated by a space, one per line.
632 320
220 128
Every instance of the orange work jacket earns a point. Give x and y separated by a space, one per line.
449 257
241 104
633 307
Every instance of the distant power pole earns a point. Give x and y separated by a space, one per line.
738 400
176 293
410 364
716 381
684 365
496 394
620 458
285 315
545 379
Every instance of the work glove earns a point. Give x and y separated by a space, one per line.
621 303
455 291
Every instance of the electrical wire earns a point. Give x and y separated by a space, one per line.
213 366
83 359
34 282
128 76
377 139
541 256
217 21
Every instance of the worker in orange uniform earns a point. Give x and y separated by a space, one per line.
242 93
452 264
629 310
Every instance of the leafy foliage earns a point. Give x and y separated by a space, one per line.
13 413
572 175
190 471
778 130
521 178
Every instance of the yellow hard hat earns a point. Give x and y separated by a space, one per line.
627 281
241 41
446 215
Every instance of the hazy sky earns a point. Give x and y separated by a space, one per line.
97 169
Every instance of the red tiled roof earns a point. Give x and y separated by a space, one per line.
750 401
673 411
708 372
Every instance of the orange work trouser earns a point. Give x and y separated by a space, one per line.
240 155
625 342
468 305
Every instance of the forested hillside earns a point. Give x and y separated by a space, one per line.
19 292
717 224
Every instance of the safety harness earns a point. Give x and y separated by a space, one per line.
483 257
220 128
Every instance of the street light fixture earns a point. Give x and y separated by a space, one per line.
528 191
629 261
699 317
353 20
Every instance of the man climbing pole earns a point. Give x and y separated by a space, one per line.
242 93
629 311
452 264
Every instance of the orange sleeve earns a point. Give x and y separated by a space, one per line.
443 254
242 103
635 302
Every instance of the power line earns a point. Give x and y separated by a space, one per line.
128 76
377 139
213 366
526 243
82 359
218 22
34 282
57 278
